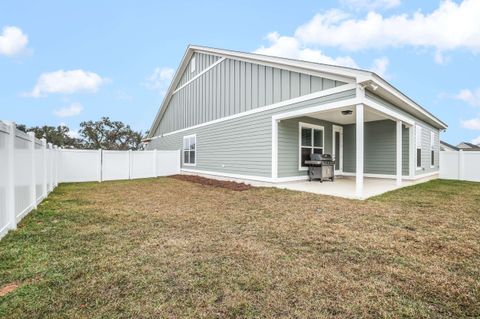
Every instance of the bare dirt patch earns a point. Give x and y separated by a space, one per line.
7 289
213 182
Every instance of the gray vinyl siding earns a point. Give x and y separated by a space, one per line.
289 148
426 154
379 148
233 87
426 129
241 145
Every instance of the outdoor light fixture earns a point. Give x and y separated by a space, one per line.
347 112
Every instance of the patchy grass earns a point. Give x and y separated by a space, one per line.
169 248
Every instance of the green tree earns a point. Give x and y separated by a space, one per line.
60 135
110 135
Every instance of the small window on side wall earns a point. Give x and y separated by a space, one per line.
189 150
418 142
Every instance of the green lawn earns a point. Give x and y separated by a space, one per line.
163 247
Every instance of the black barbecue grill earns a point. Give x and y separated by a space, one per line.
320 166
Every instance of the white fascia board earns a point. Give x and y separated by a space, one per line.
377 80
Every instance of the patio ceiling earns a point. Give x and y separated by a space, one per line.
336 116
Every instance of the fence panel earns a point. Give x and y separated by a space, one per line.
39 170
471 168
449 165
460 165
168 163
142 164
3 179
115 165
80 165
22 174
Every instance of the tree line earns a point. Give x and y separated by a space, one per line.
104 134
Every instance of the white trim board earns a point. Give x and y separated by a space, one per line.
335 90
199 74
230 175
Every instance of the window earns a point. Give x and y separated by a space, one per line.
189 150
418 138
311 140
432 149
192 65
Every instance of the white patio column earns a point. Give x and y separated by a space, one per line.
359 125
399 153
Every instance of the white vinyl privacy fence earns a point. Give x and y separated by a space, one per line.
31 168
100 165
460 165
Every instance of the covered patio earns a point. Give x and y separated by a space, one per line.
370 142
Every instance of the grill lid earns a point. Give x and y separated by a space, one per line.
320 157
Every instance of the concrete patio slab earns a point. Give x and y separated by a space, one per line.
343 186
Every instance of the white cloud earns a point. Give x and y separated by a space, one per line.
469 96
371 4
450 26
476 141
12 41
472 124
290 47
160 79
380 66
71 110
67 82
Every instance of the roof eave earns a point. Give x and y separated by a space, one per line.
378 80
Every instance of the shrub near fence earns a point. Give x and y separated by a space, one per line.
31 168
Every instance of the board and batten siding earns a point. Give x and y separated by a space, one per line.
241 145
379 148
426 130
202 61
232 87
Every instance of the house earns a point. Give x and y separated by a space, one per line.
465 146
444 146
257 117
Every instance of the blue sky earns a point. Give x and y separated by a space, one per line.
70 61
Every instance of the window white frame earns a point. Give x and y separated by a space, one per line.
189 150
192 64
418 145
432 149
302 125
